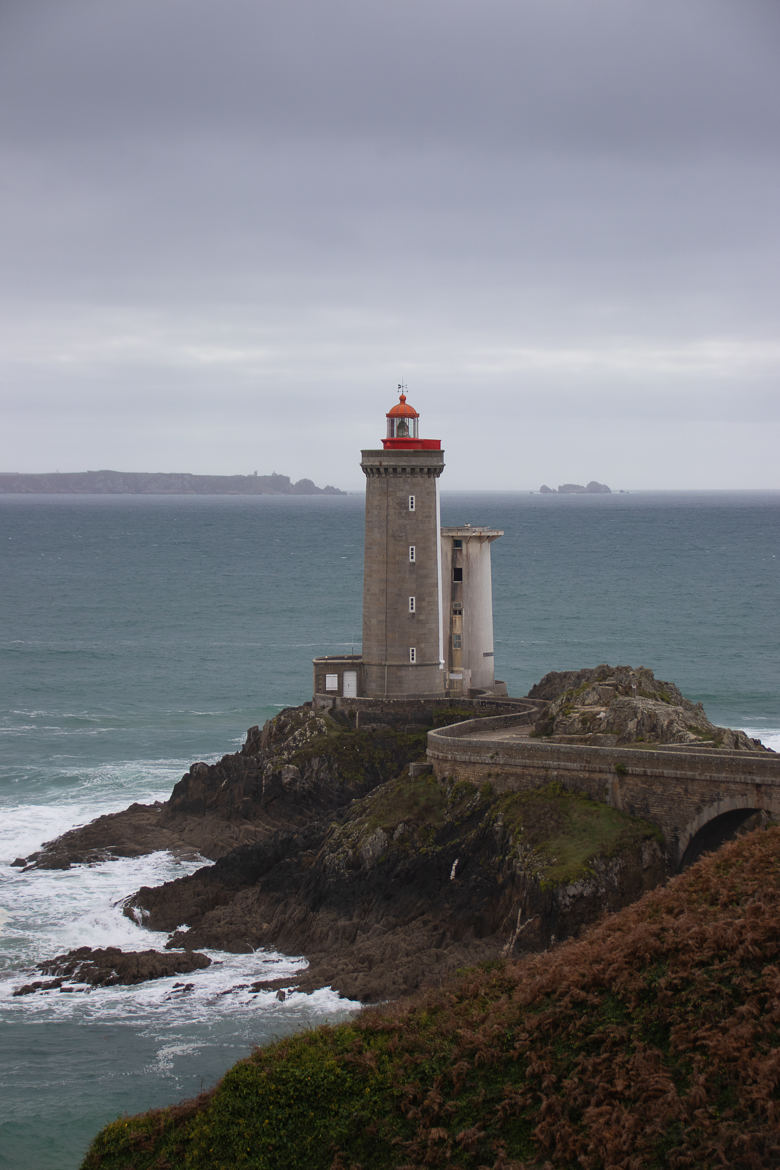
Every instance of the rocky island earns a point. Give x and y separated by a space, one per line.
593 488
326 843
143 483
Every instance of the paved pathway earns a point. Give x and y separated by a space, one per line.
506 733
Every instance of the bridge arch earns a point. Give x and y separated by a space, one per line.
725 811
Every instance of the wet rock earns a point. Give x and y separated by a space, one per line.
104 967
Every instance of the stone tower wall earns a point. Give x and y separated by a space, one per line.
390 577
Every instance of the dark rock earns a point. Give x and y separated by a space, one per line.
418 878
37 985
104 967
298 767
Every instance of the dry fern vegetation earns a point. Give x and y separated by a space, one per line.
650 1042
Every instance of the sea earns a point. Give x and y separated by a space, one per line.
140 634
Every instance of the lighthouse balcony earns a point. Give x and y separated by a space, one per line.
407 444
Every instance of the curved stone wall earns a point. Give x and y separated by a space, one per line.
679 790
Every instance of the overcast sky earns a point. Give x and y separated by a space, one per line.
230 227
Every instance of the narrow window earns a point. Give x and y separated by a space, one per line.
457 641
457 573
412 605
412 654
457 544
412 554
412 503
457 607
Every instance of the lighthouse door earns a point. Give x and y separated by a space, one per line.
350 684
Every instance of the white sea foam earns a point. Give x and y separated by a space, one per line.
25 827
48 912
81 796
769 736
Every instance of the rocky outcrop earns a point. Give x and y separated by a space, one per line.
387 878
420 877
620 705
576 489
299 767
107 966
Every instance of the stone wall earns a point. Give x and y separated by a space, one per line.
369 711
678 790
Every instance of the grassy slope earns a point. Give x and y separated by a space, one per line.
651 1042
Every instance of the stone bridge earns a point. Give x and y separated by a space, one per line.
684 790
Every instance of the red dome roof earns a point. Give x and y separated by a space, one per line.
402 410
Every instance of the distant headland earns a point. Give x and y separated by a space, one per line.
594 488
148 483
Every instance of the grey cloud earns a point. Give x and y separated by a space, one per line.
567 208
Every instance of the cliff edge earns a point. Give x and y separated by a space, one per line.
650 1042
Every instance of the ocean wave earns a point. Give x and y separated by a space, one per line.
224 991
25 827
769 736
49 912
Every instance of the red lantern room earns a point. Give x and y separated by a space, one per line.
402 430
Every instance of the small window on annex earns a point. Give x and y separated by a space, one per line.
331 682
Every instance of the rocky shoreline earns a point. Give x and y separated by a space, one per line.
325 844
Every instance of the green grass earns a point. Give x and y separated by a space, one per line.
567 830
420 799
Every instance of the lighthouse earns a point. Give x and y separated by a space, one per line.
403 638
427 591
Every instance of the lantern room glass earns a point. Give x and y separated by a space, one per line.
402 427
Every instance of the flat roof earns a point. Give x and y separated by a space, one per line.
472 530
